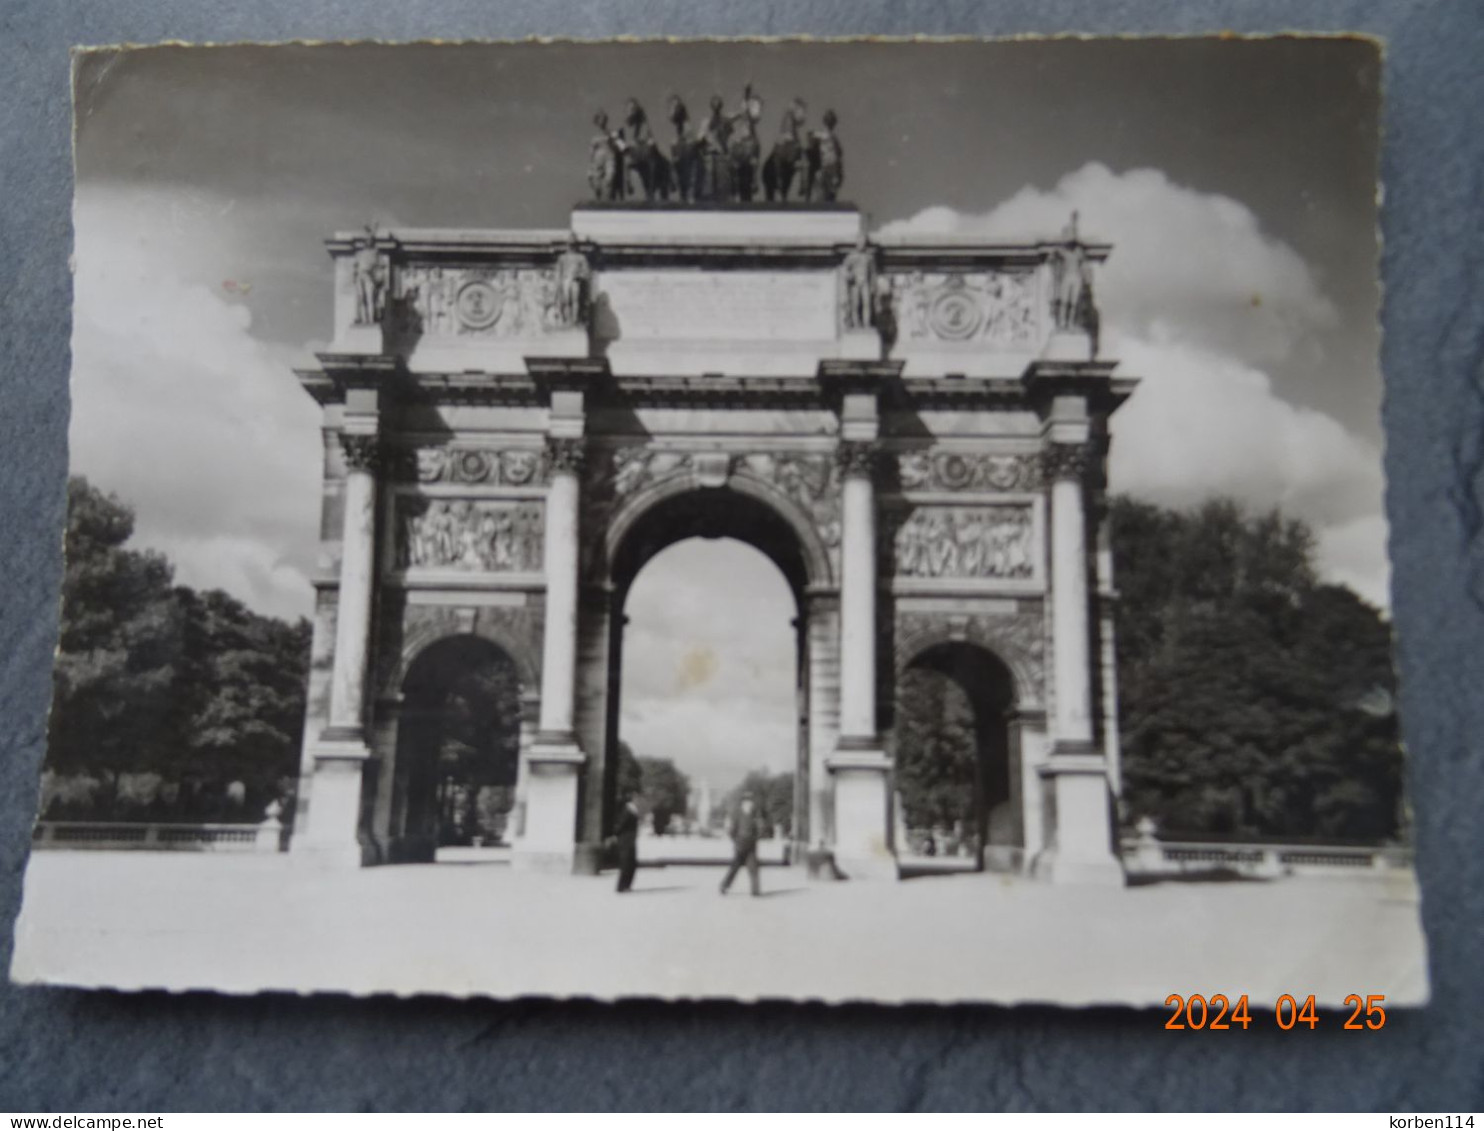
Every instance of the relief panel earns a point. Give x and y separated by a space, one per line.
469 535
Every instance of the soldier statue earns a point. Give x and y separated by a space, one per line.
744 149
859 273
1071 278
572 276
684 166
369 272
712 152
605 173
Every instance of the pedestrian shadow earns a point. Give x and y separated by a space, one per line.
654 891
780 891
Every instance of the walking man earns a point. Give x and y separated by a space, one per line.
627 834
747 830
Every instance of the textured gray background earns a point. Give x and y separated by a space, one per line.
72 1051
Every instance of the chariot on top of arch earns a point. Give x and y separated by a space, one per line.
716 158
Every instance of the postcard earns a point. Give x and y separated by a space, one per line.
816 520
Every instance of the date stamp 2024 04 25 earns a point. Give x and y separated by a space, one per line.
1197 1011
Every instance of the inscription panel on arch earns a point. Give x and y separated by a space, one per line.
756 306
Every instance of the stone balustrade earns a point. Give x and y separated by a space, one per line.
126 835
1150 857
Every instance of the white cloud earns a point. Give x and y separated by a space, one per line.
180 411
1187 266
1354 554
1201 424
1199 302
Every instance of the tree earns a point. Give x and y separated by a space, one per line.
460 731
239 697
666 791
156 679
119 647
1254 701
938 751
630 776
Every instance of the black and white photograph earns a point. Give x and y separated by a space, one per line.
892 521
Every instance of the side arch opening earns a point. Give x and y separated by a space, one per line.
458 748
957 760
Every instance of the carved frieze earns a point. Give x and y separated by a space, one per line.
811 481
992 542
514 467
633 468
996 309
956 471
514 302
473 535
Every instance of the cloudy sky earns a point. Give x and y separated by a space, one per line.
1236 179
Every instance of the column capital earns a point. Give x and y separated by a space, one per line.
565 454
1060 461
857 458
362 451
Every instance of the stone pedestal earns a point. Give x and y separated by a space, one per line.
824 714
331 838
361 337
1084 841
1068 345
860 345
549 842
862 814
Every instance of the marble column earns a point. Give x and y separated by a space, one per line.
333 829
555 759
859 768
1081 839
357 568
1070 636
858 598
559 645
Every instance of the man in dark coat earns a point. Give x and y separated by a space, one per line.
626 832
747 830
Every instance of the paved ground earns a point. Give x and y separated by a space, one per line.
240 923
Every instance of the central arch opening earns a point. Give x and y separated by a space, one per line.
708 700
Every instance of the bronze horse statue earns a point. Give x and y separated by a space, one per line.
643 156
783 159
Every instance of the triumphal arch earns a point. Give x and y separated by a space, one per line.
914 429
